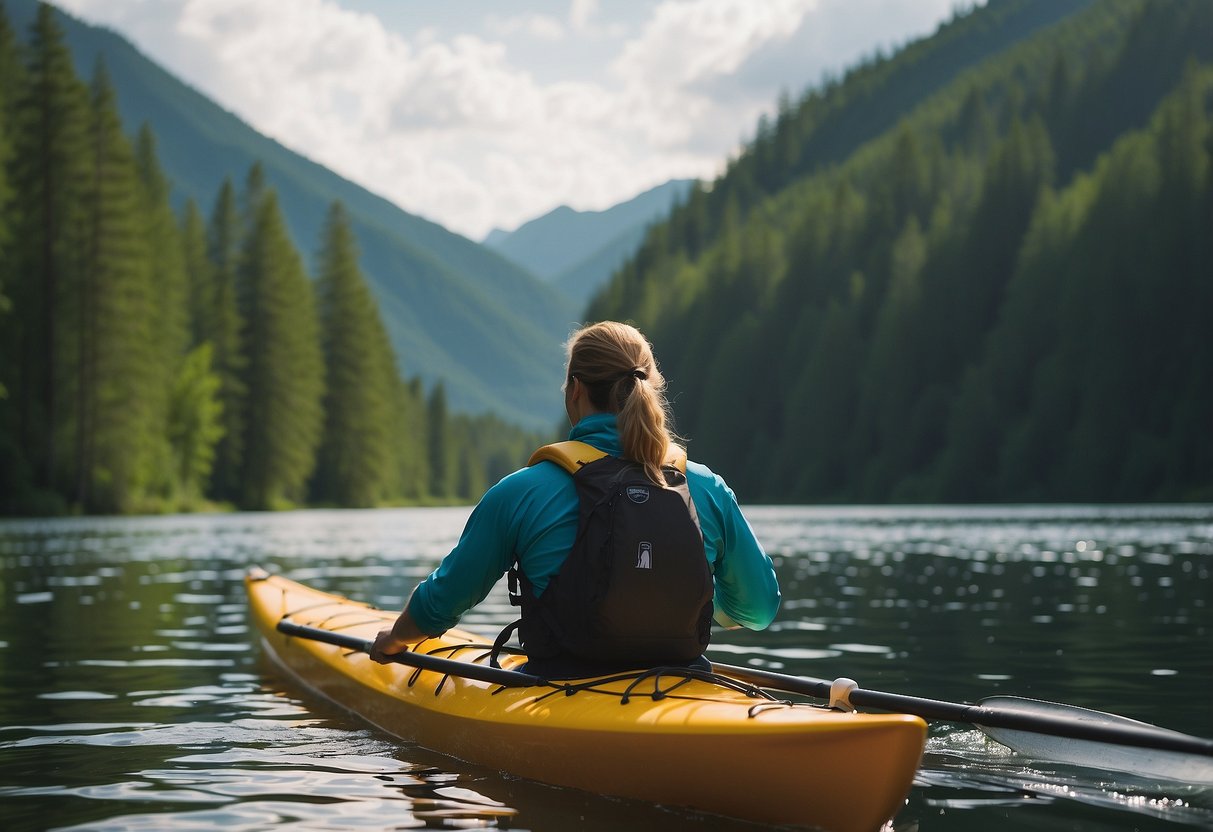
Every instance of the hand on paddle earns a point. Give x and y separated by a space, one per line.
397 639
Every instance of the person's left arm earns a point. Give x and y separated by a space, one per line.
747 591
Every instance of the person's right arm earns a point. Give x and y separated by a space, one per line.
463 579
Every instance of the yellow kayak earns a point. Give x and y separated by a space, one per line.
697 740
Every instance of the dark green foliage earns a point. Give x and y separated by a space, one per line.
222 326
199 276
997 297
48 172
11 80
119 408
285 371
442 450
453 309
354 465
410 441
11 73
194 423
152 362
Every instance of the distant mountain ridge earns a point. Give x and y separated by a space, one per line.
455 310
576 251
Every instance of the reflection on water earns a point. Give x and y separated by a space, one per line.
132 696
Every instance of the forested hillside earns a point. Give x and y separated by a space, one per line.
981 269
151 360
454 310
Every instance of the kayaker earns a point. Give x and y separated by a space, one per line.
615 399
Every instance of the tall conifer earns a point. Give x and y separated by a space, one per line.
194 423
285 372
11 79
410 443
170 322
441 450
12 475
168 259
354 459
49 170
225 334
199 276
117 386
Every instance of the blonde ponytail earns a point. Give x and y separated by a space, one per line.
615 362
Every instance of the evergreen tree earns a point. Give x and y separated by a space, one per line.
354 462
195 423
224 330
199 276
410 443
11 81
118 429
167 253
285 372
170 335
441 447
48 172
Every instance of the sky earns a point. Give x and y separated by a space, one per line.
482 114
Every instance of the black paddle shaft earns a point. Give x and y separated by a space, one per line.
468 670
1144 736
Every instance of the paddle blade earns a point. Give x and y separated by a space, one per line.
1147 762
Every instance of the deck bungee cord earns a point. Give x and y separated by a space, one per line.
473 669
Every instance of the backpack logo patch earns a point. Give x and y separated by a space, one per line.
644 555
638 493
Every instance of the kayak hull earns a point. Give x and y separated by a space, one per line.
674 741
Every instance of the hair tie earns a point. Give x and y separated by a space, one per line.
639 374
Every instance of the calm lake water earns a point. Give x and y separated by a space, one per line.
132 695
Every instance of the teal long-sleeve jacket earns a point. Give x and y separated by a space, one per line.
531 514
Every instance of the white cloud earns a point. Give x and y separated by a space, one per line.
685 42
456 127
580 13
538 26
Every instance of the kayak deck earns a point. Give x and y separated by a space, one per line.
693 740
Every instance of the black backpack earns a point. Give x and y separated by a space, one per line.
636 588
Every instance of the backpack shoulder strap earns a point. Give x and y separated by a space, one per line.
570 456
573 455
677 456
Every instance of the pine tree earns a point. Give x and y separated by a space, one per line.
167 252
11 80
49 170
199 276
225 333
170 318
195 422
117 386
410 443
285 372
354 460
12 474
441 449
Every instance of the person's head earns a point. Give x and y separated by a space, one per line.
611 365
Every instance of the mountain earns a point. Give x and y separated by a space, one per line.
455 311
576 251
977 270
